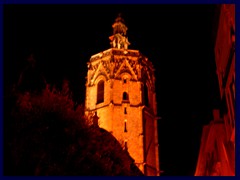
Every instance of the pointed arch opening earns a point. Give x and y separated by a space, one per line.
125 96
125 126
100 92
145 96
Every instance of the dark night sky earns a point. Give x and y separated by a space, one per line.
178 39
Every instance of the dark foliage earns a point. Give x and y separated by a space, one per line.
46 134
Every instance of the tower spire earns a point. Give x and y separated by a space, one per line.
119 26
119 39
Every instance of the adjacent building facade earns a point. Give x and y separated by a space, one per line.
120 90
217 151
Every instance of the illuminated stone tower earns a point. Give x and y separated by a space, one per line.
120 89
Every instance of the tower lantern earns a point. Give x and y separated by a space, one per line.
119 39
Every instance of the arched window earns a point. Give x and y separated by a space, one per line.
100 92
125 96
146 102
125 126
125 110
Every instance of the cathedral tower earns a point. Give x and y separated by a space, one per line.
120 90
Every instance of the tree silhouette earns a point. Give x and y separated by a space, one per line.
45 135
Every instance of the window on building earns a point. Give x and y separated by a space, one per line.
230 106
125 96
100 92
124 81
145 91
125 126
232 93
232 34
233 103
125 110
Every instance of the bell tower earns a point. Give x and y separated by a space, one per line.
120 90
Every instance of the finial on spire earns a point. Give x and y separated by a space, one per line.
119 18
119 26
119 39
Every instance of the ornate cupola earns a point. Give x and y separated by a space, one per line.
119 39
